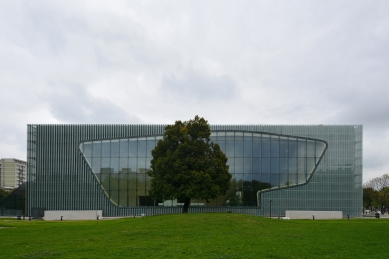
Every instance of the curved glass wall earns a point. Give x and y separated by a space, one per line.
257 161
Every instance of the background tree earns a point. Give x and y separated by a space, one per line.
187 165
369 197
381 187
3 193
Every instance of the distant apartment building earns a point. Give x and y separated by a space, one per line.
13 173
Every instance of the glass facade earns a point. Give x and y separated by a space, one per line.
85 167
257 161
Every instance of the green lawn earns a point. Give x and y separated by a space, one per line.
195 236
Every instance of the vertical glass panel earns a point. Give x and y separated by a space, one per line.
104 180
248 136
257 137
238 135
292 165
274 165
213 136
123 198
283 147
265 165
114 188
150 146
105 162
106 148
115 165
96 149
132 181
87 149
248 148
310 148
238 176
230 149
292 148
310 165
319 148
301 165
231 164
248 178
247 165
221 136
133 148
114 184
123 184
257 177
301 178
106 170
96 165
292 178
265 146
256 149
131 198
283 165
284 180
148 181
239 165
148 162
302 148
115 148
229 135
266 179
132 164
275 147
123 148
238 148
141 183
142 147
274 181
222 145
123 164
256 165
142 165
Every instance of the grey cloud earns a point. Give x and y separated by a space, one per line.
200 86
77 106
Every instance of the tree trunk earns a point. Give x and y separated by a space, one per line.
186 205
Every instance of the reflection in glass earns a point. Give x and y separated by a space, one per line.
115 148
265 144
133 148
230 149
274 147
248 147
238 148
257 161
106 148
124 148
96 149
87 149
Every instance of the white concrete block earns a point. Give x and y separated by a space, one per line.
73 214
302 214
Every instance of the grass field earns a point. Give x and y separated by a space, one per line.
195 236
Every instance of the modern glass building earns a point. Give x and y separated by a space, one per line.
103 167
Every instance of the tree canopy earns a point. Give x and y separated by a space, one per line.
376 192
187 165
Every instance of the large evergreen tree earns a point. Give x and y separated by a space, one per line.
187 165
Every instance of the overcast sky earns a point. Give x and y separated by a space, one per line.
231 62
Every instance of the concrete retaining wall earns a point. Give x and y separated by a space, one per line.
72 214
300 214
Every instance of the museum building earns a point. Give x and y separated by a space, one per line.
274 168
